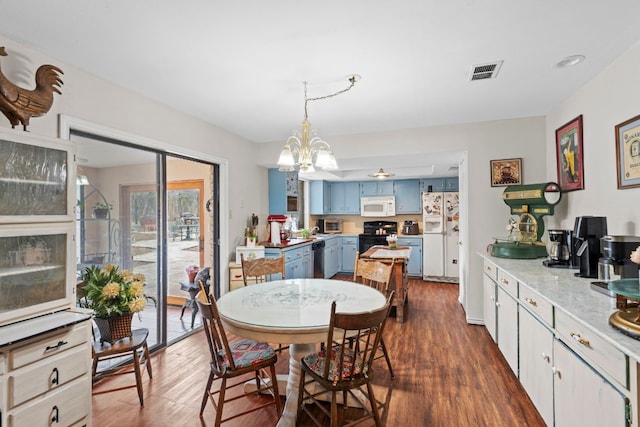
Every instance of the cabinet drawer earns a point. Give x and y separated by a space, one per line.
508 283
592 348
54 344
51 373
235 273
292 255
408 241
69 403
537 304
491 270
349 240
236 284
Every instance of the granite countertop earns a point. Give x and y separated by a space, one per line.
571 294
288 244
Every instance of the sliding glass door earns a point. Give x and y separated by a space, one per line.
156 223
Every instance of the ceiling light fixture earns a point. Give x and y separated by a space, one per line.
381 174
570 61
305 149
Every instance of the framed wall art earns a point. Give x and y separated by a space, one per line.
628 153
569 155
506 172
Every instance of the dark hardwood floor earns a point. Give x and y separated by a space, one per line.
448 373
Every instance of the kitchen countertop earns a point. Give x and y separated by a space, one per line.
571 294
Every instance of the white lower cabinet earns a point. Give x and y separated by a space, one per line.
536 363
489 305
507 329
582 397
46 380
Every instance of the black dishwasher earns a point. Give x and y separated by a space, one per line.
317 248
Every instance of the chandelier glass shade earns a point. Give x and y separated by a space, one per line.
305 149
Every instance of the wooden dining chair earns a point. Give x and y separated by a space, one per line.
260 270
231 363
376 274
344 365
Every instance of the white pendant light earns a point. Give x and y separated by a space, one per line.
381 174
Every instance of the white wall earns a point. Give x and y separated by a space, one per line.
483 142
90 98
609 99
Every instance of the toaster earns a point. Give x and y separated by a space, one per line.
410 227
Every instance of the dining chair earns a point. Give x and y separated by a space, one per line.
260 270
232 362
344 365
376 274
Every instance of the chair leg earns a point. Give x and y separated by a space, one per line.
334 409
374 405
138 373
300 396
386 356
147 363
223 389
276 394
207 390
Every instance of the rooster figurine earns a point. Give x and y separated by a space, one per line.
19 104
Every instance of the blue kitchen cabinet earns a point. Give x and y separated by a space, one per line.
439 185
408 200
283 192
376 188
332 256
320 197
349 250
345 197
298 262
307 262
414 266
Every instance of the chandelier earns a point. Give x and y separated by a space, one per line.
305 148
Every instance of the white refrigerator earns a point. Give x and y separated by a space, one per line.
440 219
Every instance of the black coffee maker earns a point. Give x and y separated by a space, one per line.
560 249
615 262
587 233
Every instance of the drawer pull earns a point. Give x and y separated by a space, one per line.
531 301
57 346
578 338
505 281
546 357
488 268
56 376
56 415
556 371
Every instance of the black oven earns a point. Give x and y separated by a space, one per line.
375 233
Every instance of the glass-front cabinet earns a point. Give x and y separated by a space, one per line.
37 261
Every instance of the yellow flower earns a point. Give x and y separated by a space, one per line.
139 277
137 304
107 268
126 275
111 290
137 289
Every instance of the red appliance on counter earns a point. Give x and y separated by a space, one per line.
277 233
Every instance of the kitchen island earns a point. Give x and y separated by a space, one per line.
554 332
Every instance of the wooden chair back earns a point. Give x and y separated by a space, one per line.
373 273
216 335
354 337
260 270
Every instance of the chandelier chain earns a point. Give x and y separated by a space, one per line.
352 81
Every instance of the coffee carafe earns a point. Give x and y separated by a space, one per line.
559 249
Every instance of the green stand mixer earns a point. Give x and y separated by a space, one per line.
531 203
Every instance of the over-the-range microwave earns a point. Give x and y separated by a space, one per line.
378 206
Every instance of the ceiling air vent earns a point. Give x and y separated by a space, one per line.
485 71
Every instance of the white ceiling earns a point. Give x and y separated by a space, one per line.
241 65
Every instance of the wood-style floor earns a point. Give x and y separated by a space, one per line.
447 373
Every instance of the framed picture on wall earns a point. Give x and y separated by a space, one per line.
628 153
569 155
506 172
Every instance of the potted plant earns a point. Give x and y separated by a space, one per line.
191 271
113 295
252 237
101 209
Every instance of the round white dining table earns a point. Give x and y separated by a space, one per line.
295 312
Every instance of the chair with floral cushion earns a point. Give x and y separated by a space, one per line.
231 363
344 365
